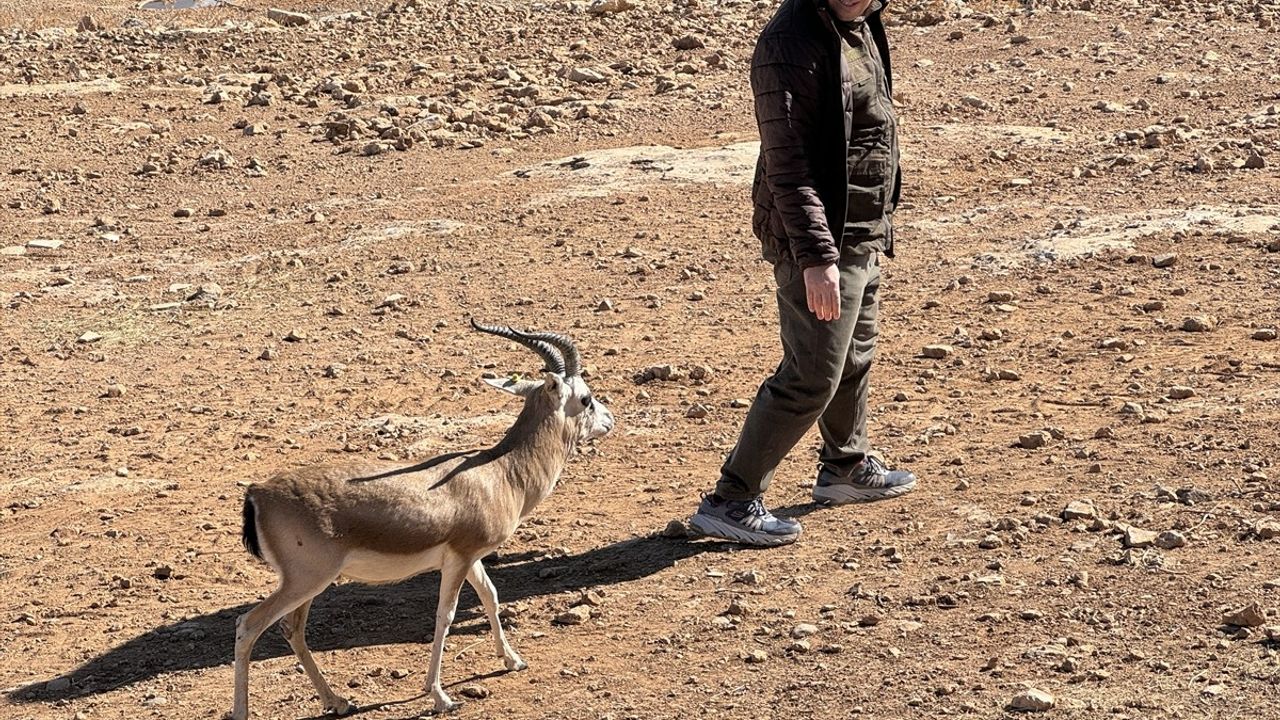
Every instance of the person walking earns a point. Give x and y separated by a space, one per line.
826 185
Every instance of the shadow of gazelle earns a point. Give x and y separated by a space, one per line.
355 615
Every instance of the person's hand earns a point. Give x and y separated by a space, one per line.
822 288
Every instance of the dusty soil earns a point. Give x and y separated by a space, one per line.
232 247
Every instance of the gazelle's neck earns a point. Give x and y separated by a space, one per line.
534 452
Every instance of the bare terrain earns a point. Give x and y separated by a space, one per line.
233 243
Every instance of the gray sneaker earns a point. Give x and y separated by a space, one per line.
870 480
743 521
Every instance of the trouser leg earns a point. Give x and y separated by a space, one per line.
812 368
844 422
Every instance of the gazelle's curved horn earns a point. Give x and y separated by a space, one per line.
547 351
567 348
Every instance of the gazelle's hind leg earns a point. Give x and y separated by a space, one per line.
483 586
452 572
294 627
294 590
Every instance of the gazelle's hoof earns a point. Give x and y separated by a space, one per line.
445 705
339 707
231 715
515 664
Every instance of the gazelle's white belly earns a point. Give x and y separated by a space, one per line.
375 567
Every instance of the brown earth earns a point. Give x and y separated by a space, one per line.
356 187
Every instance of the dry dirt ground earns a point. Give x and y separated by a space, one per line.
232 246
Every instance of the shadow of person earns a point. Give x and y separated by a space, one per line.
798 510
355 615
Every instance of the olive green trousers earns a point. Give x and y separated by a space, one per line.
824 377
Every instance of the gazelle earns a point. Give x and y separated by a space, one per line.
380 523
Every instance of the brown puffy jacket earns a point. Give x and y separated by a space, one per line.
801 188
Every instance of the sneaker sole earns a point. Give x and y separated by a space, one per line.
843 494
713 527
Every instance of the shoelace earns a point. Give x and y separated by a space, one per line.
876 465
756 509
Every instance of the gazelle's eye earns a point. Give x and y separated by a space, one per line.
586 401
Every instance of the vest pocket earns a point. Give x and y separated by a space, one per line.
868 188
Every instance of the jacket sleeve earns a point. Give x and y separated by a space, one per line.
785 83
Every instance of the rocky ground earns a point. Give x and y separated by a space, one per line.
235 242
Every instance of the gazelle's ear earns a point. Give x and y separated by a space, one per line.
554 385
523 388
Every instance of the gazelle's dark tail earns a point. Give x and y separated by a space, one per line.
249 531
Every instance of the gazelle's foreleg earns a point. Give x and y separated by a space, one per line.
452 572
483 586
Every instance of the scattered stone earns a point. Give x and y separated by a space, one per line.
1135 537
1198 323
268 354
474 691
804 630
1035 440
575 615
697 411
937 352
688 42
1171 540
655 372
676 530
88 24
1165 261
1133 408
607 7
1180 392
1032 700
218 159
207 291
755 657
44 244
1265 334
287 18
1249 616
115 391
1192 496
89 337
184 212
1079 510
58 685
295 335
163 572
1267 529
586 76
